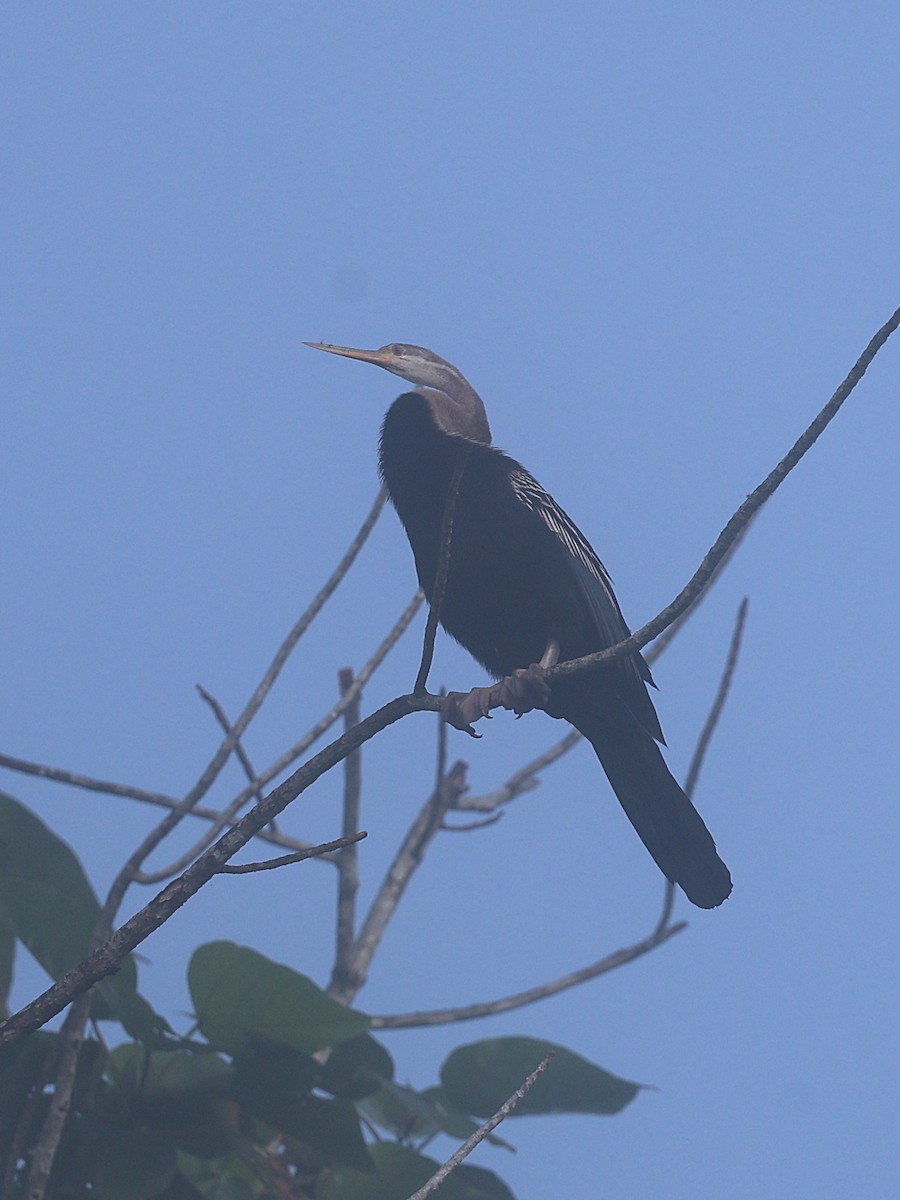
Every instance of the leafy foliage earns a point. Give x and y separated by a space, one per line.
271 1101
47 903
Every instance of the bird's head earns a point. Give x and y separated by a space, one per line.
456 406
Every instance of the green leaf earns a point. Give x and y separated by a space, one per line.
404 1112
400 1171
480 1077
417 1116
230 1177
52 909
455 1122
137 1016
44 890
240 996
274 1085
356 1068
7 957
330 1128
129 1162
22 1067
184 1097
270 1072
164 1075
476 1183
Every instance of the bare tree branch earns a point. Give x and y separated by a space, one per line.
489 1008
718 704
471 826
286 860
348 870
303 623
217 762
108 957
24 766
523 780
70 1040
160 800
324 724
665 639
407 859
225 818
482 1131
222 717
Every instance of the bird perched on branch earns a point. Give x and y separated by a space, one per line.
524 589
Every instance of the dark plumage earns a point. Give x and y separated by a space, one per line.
521 576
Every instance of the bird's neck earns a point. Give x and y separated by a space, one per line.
459 413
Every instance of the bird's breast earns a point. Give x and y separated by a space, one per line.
504 598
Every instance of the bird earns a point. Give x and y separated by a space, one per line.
524 589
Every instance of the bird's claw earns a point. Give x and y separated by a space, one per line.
521 692
453 713
460 709
524 690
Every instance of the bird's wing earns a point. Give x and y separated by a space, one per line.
597 589
603 599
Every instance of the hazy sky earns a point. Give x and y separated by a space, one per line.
655 238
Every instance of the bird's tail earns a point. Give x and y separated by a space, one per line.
666 821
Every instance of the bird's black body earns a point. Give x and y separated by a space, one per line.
520 574
522 583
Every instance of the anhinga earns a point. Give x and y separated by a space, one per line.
523 586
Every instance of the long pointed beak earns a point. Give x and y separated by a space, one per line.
381 358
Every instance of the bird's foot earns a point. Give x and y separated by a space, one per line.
524 690
521 692
460 709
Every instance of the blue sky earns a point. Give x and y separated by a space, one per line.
655 239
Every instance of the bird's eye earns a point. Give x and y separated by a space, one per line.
396 348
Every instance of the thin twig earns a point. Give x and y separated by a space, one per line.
482 1131
290 756
253 705
523 780
241 753
71 1037
272 864
471 826
443 568
407 859
348 868
489 1008
107 959
24 766
718 704
160 800
315 607
109 788
706 733
226 818
665 639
